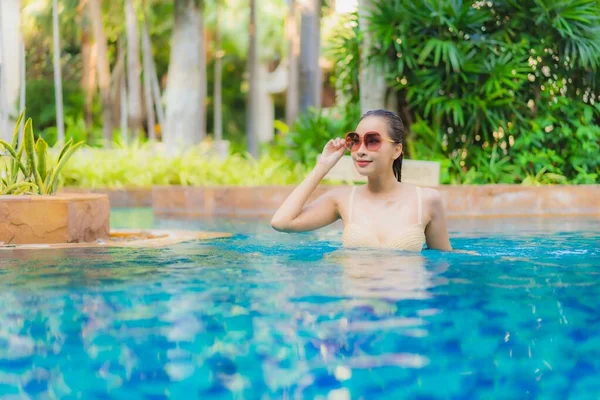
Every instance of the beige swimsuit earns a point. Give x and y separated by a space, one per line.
411 239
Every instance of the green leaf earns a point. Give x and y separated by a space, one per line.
41 148
15 139
53 184
29 147
48 177
65 148
31 156
429 47
13 155
14 188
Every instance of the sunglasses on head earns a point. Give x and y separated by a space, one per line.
373 141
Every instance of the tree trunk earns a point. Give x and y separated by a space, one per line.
218 83
185 105
10 41
118 75
292 96
371 77
310 48
160 113
252 107
103 68
269 84
156 97
23 83
119 92
88 56
134 70
60 125
123 112
147 57
203 75
3 101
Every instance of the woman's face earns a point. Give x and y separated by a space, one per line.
375 162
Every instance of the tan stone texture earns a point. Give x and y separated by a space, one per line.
64 218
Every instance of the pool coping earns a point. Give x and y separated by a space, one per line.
140 238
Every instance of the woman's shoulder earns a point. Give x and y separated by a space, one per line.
429 195
432 200
432 195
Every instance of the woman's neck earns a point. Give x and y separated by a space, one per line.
382 184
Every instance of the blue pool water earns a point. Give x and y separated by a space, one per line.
264 315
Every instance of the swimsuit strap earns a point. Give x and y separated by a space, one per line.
351 204
419 206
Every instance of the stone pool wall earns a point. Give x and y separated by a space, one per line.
62 218
460 201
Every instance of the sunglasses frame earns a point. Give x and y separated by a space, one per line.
362 138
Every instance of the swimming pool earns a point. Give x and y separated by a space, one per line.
265 315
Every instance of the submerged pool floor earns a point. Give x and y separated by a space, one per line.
265 315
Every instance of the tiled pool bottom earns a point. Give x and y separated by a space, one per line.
265 315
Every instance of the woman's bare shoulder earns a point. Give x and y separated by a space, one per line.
431 196
433 202
428 194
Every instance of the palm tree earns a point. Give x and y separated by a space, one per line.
57 75
310 45
292 96
3 103
134 70
185 103
218 83
103 68
23 81
148 72
252 105
89 62
119 77
10 44
371 77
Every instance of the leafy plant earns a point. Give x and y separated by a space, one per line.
521 77
343 48
314 128
543 178
144 165
37 174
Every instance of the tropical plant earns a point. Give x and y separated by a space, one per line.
517 77
37 174
144 164
343 47
314 128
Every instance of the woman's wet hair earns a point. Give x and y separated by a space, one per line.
396 132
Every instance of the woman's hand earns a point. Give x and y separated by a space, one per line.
332 153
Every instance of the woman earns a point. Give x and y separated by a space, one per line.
382 213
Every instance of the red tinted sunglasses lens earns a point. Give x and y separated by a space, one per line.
352 141
372 141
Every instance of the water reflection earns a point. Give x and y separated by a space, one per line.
386 274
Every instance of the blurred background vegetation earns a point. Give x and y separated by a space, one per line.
496 91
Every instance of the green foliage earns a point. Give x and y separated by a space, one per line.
559 146
37 174
41 107
499 91
564 139
144 165
343 48
313 129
